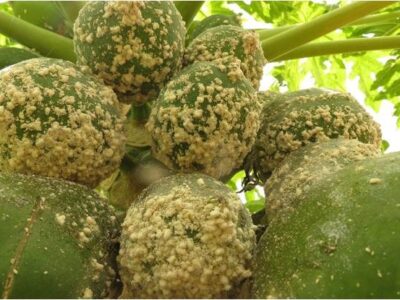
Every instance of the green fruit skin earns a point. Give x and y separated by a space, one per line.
286 115
233 41
342 242
210 22
50 258
162 42
307 165
91 99
45 14
11 55
227 145
187 223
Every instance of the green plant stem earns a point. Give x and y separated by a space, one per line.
383 17
342 46
43 41
377 19
290 39
188 10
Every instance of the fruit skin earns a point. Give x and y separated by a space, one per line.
57 239
136 47
10 56
50 110
291 180
228 40
205 119
210 22
187 236
306 116
341 242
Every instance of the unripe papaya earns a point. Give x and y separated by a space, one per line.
57 239
227 40
291 180
342 241
135 46
58 121
187 236
205 119
306 116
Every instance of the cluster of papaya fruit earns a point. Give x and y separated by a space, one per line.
156 117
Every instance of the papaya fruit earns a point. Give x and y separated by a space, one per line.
290 181
135 47
341 241
306 116
187 236
57 239
228 40
57 121
205 119
11 55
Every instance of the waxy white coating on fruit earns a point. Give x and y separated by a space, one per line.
135 46
188 236
56 121
205 119
227 40
308 165
313 115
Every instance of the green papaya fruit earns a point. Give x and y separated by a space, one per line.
227 40
12 55
306 116
58 121
57 239
205 119
134 46
291 180
342 241
187 236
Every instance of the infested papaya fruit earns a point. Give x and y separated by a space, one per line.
57 239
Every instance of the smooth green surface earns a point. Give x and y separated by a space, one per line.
45 42
45 255
342 241
11 55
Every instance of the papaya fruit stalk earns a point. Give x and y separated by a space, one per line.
188 10
45 42
288 40
342 46
371 20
